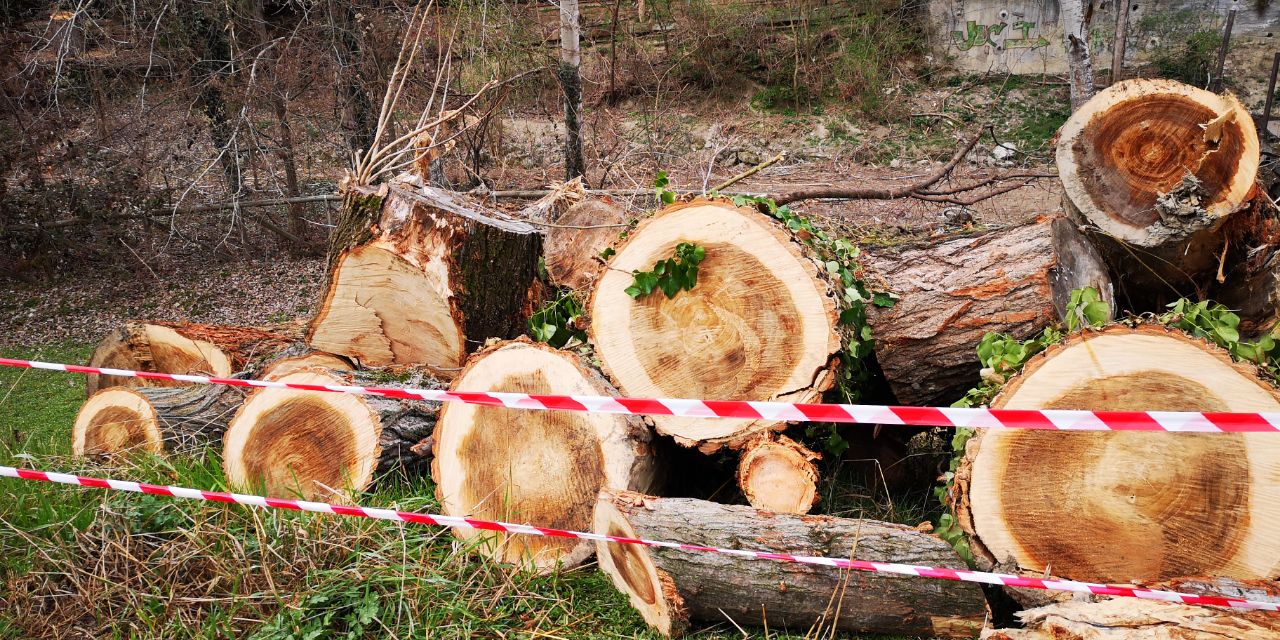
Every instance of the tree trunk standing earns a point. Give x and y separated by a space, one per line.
670 587
357 108
1122 33
571 83
1076 16
212 67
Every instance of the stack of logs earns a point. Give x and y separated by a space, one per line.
1161 201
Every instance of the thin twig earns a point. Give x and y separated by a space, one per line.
750 172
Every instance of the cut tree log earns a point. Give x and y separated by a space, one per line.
1127 506
181 347
574 245
315 445
778 474
759 325
1013 280
176 420
440 276
1133 619
303 358
672 587
1156 169
538 467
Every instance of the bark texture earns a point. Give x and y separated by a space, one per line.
672 587
952 292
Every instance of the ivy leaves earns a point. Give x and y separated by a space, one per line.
558 322
673 275
1086 309
660 183
1218 324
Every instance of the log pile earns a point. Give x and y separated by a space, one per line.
430 288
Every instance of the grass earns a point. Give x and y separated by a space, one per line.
90 563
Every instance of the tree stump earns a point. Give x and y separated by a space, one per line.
543 468
672 587
778 474
440 276
759 324
1127 506
176 420
1157 169
1013 280
315 445
180 347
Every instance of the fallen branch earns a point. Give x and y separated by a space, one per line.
749 172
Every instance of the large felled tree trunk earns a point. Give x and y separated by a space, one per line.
672 587
760 324
156 420
1015 280
1126 506
439 276
543 468
291 443
1161 173
181 347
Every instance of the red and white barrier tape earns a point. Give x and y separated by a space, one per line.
529 530
977 417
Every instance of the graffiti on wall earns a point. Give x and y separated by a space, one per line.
1015 36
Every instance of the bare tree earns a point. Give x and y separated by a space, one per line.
571 83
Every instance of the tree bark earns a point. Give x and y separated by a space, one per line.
543 468
778 474
1126 506
1161 174
440 276
571 83
1015 280
175 420
760 323
292 443
672 587
1076 16
182 347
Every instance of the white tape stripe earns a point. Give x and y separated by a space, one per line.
778 410
1069 420
688 408
190 494
1181 422
63 478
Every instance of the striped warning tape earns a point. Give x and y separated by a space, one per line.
530 530
976 417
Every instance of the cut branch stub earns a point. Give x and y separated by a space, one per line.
759 324
441 276
572 254
1125 506
289 442
671 587
179 347
543 468
156 420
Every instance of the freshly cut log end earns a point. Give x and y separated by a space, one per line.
671 587
573 254
538 467
759 324
1126 506
176 420
440 277
1133 619
1125 156
778 475
315 445
281 367
116 420
175 347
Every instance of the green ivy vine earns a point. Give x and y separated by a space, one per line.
673 275
559 321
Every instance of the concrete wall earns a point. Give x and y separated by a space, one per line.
1025 37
